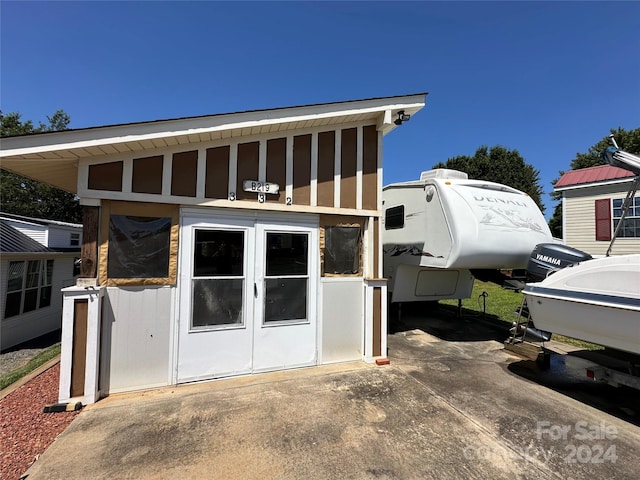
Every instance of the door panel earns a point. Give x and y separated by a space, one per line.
247 296
216 311
286 276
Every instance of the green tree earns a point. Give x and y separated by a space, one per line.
627 140
500 165
555 222
22 196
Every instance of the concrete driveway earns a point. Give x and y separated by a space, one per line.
452 405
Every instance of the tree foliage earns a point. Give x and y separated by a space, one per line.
555 222
22 196
500 165
627 140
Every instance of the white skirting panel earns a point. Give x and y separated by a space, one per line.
342 319
136 338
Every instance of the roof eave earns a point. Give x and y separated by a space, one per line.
593 184
53 157
136 132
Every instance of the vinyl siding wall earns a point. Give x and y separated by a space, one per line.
20 328
60 237
580 224
37 232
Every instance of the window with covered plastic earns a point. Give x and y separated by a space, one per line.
138 244
138 247
341 251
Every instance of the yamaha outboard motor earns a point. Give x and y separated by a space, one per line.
552 256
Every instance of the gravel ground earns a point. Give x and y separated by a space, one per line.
25 431
19 355
11 361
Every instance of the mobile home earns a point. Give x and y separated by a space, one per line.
38 258
221 245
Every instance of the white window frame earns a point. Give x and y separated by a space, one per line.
41 283
633 214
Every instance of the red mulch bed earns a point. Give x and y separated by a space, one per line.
25 431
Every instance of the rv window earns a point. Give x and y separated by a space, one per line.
138 247
342 250
394 218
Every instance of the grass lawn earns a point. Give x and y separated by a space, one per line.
40 359
502 304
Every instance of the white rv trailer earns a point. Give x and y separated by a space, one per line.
441 227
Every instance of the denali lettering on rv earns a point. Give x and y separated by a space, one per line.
499 200
544 258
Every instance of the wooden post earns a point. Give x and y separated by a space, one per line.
89 251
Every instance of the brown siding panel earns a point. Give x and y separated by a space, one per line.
348 160
147 175
248 164
184 174
376 245
106 176
89 250
217 173
326 163
277 168
370 168
79 347
302 170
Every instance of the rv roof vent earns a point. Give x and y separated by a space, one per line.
443 173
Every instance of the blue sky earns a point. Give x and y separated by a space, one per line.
548 79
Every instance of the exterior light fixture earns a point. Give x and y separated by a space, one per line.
402 117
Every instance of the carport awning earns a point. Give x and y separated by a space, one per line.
53 157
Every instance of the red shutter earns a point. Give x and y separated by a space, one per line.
603 219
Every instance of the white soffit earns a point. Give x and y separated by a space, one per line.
52 157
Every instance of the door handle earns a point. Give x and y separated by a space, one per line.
255 290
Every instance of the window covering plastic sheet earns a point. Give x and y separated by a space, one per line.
342 250
138 247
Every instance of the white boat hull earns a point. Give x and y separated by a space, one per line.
596 301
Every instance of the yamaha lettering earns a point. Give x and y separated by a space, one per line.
544 258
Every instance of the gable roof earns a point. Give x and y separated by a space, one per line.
14 241
53 157
592 175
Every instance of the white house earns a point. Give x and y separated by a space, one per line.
36 262
592 201
221 245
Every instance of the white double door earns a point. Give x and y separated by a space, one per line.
247 294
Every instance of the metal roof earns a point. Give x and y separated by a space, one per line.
14 241
38 221
583 176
